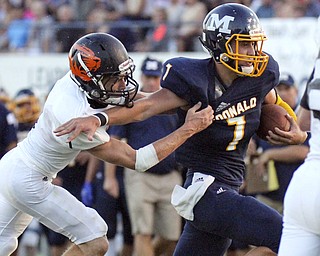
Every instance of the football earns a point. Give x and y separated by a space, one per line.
272 116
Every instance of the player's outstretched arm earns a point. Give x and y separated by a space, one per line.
156 103
120 153
195 122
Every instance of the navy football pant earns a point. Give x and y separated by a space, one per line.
223 216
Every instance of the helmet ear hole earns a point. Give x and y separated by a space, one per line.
95 94
224 57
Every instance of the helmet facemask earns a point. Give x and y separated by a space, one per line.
226 29
232 58
104 92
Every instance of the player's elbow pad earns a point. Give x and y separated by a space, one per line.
286 106
146 157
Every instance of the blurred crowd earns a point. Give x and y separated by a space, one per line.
51 26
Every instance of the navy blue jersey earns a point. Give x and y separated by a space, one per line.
142 133
219 150
8 133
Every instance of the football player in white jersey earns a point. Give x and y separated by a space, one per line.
301 227
100 75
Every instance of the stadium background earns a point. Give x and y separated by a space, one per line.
294 43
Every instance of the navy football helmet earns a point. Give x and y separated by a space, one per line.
237 22
96 62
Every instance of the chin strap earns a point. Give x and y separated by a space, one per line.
285 105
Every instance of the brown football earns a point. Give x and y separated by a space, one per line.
272 116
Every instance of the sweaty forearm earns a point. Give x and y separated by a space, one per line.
151 154
120 153
168 144
123 115
156 103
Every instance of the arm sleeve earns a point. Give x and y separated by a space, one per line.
286 106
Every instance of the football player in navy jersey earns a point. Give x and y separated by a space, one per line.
237 79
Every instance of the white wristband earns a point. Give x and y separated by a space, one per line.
146 157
